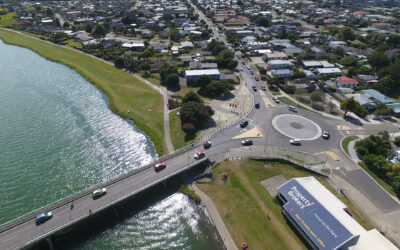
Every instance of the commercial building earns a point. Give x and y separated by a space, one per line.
322 220
191 75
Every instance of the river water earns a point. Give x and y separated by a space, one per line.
58 136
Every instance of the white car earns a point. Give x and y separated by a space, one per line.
295 142
325 135
291 108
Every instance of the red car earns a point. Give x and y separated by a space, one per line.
160 166
199 155
256 77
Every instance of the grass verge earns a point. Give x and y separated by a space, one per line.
292 103
345 143
381 182
243 203
124 91
178 137
8 19
190 193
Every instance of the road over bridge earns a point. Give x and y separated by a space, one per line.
24 231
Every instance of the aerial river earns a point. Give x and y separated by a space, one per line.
58 137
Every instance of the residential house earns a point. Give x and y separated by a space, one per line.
282 73
346 82
367 79
328 71
377 97
279 64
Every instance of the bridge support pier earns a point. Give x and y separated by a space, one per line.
50 243
116 214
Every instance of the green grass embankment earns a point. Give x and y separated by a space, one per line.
124 92
346 141
8 19
179 138
243 203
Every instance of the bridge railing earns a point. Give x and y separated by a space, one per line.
31 215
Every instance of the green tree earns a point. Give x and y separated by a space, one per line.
172 79
347 34
119 62
383 110
379 60
217 88
145 66
316 96
191 97
215 47
99 31
174 35
88 28
165 70
385 85
397 141
348 61
203 80
195 113
348 105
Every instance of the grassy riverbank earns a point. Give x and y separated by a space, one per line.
243 203
124 92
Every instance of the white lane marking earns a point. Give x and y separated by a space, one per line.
340 171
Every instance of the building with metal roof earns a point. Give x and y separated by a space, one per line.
191 75
322 219
377 96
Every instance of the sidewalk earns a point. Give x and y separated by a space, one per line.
216 218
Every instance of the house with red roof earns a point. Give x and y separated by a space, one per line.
346 82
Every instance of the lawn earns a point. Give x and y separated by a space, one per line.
71 43
8 19
346 141
124 91
178 137
243 204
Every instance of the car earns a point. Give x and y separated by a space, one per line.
207 144
247 66
276 99
247 142
254 88
241 69
296 142
244 123
257 105
325 135
41 218
263 87
256 78
99 192
199 155
160 166
243 63
291 108
251 72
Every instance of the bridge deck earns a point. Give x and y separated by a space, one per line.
26 232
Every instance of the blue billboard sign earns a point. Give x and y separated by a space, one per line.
323 229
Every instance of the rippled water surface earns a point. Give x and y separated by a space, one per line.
56 130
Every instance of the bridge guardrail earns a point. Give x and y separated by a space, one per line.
22 219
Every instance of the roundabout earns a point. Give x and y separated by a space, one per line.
295 126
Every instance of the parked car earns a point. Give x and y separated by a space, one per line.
263 87
256 78
247 142
99 192
325 135
296 142
257 105
254 88
291 108
251 72
199 155
41 218
244 123
207 144
160 166
275 99
247 66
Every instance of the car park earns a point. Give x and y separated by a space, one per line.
247 142
254 88
325 135
160 166
199 155
99 192
41 218
291 108
263 87
207 144
296 142
244 123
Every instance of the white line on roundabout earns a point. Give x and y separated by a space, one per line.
275 125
